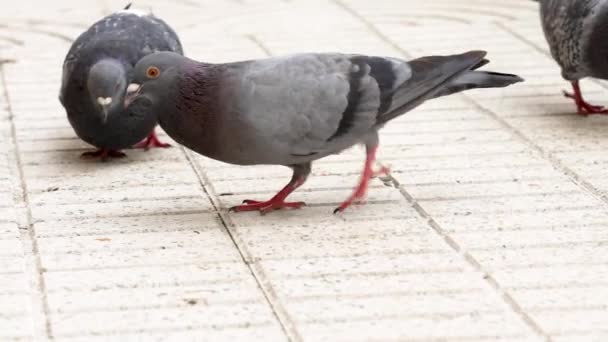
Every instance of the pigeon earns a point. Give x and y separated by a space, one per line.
96 72
576 33
295 109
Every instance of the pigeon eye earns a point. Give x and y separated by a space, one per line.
152 72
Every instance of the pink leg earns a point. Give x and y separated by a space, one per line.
583 107
151 141
368 173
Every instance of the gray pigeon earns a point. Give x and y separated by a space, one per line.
96 72
577 32
295 109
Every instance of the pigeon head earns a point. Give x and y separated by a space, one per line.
106 83
152 75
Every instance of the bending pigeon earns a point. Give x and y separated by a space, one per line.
577 36
295 109
96 72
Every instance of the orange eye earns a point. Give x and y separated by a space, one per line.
153 72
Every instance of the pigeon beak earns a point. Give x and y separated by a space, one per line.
105 114
132 92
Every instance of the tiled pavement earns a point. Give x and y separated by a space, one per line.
493 226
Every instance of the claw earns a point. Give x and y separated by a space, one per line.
103 154
251 202
267 206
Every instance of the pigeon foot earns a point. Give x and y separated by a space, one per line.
264 207
368 173
278 200
152 141
103 154
583 107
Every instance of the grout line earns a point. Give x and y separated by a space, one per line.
523 39
280 313
370 26
515 307
41 324
258 43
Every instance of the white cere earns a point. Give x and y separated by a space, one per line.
133 87
104 101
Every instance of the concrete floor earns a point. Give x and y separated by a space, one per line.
493 226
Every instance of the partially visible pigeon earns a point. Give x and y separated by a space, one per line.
96 72
577 32
295 109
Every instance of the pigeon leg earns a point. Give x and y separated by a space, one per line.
300 173
151 141
368 173
583 107
103 154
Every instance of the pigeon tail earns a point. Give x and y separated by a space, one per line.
479 79
431 75
434 76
